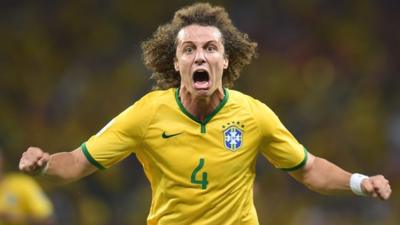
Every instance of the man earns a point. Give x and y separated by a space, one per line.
196 139
22 201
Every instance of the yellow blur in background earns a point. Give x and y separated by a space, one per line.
329 69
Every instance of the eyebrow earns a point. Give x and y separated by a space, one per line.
207 43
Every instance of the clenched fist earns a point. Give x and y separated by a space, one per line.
33 161
377 186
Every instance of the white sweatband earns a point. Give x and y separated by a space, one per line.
355 183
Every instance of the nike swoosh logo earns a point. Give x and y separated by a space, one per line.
164 135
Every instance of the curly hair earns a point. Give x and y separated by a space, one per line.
160 50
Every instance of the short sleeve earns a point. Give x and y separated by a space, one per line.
278 145
121 137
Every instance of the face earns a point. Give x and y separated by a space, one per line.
200 59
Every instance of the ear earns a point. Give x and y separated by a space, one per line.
176 64
226 62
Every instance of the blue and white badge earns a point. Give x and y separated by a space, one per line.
233 138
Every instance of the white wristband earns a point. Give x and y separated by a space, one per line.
355 183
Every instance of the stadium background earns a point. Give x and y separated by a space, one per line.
329 69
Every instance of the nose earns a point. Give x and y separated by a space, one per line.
200 59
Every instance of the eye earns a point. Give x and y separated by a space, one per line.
211 48
188 49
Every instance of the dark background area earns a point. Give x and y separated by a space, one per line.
329 69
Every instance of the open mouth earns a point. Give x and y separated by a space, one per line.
201 79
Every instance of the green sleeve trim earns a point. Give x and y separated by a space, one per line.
90 158
300 165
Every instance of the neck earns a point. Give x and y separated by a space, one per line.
201 106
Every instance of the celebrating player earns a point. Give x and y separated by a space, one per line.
196 139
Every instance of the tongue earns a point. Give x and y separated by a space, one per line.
201 84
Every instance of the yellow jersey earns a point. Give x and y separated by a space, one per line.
22 198
201 172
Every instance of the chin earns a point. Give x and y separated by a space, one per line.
202 92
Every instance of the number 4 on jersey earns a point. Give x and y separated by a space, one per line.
203 181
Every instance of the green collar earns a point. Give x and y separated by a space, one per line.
209 117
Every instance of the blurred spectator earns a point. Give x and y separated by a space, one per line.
22 201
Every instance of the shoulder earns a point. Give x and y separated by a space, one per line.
240 96
157 95
264 117
141 112
248 101
152 100
19 180
155 98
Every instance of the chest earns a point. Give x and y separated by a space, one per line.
177 146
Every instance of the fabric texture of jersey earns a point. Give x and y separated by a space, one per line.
201 172
22 198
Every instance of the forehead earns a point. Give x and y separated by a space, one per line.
198 33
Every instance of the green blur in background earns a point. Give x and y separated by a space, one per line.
329 69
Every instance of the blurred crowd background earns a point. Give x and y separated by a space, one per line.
329 69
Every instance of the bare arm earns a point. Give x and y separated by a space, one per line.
61 167
325 177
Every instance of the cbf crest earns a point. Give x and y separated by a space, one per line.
233 135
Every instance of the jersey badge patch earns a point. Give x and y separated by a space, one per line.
233 136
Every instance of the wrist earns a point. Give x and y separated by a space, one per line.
42 171
355 182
